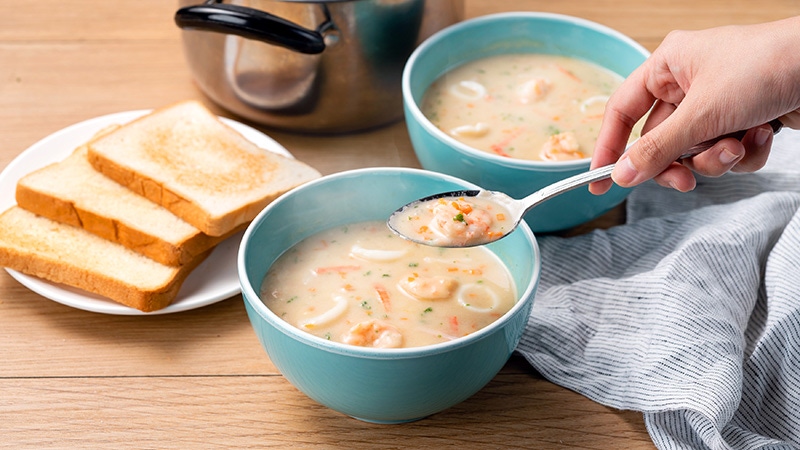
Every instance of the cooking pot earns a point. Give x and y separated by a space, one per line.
321 66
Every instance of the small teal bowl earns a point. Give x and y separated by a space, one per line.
519 32
377 385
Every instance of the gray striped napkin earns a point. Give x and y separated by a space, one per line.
689 313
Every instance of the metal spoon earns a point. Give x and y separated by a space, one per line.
513 208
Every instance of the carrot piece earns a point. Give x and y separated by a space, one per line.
568 73
384 296
323 245
499 150
500 216
336 269
498 147
466 208
454 325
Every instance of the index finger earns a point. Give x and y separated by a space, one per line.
629 103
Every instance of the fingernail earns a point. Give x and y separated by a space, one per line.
727 157
624 171
761 135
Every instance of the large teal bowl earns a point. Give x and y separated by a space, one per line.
514 33
377 385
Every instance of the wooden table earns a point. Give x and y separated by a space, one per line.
199 379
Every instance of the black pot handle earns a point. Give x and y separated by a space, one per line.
249 23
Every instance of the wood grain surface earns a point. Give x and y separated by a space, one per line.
199 379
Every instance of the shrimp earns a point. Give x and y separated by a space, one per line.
457 219
561 147
533 90
373 333
428 288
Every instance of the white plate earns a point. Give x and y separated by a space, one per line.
214 280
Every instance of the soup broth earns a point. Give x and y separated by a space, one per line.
525 106
363 285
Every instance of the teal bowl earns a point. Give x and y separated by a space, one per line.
377 385
519 32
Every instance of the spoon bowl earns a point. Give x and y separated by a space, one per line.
468 218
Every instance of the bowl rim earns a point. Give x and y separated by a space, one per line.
441 35
251 297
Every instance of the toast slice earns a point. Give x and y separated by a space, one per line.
73 192
61 253
185 159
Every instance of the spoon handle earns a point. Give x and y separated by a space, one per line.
567 184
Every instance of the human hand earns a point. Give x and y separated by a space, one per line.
696 86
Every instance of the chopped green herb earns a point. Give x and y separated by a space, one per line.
386 275
459 217
365 305
427 310
291 299
413 264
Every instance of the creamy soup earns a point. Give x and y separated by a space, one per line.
526 106
363 285
455 221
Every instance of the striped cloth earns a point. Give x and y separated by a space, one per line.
689 313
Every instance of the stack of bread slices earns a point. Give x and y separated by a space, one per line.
129 214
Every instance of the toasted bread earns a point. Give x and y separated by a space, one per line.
73 192
61 253
185 159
